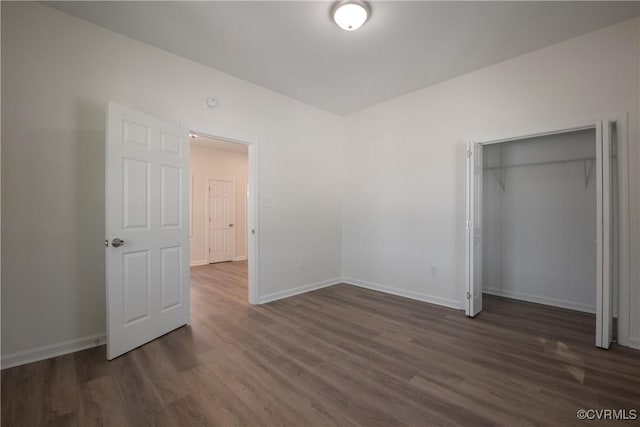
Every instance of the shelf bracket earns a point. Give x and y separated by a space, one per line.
588 171
500 175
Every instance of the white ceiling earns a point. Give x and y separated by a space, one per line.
294 48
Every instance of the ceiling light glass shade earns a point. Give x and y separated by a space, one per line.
350 15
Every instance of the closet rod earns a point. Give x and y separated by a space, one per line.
582 159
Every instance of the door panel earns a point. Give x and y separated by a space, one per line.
136 284
605 234
135 195
474 228
170 144
171 265
146 207
170 196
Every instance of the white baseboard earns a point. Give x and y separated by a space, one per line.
404 293
240 258
299 290
49 351
571 305
634 343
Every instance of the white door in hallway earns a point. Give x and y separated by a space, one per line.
147 228
221 221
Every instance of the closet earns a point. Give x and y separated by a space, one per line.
545 223
539 220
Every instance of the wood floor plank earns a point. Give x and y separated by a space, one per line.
162 373
221 405
339 356
227 369
23 395
101 403
143 406
61 391
289 392
353 404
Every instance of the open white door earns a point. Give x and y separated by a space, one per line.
474 228
147 227
604 237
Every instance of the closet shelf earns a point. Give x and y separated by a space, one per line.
499 172
581 159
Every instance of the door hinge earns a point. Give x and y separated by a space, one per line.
106 242
469 154
468 295
468 225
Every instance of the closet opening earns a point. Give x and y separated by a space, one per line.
544 226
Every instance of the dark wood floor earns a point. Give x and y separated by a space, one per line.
338 356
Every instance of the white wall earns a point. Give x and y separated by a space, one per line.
539 231
58 74
401 197
223 164
404 185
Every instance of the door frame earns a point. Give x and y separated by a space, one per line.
621 121
253 213
207 224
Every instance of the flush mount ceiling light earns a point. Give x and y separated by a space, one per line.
350 14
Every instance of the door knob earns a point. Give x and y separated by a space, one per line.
117 242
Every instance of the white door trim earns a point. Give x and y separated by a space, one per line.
621 121
583 125
622 133
253 223
207 223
